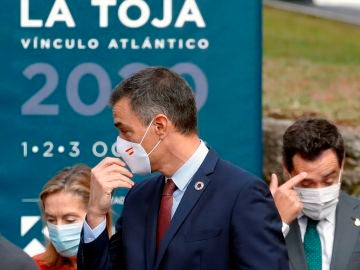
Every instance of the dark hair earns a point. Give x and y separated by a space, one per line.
157 90
309 137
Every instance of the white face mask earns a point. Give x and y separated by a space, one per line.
319 203
65 238
135 155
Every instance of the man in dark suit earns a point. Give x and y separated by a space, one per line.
324 231
13 258
200 213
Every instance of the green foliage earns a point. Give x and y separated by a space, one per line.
295 36
311 67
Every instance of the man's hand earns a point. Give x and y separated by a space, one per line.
286 199
109 174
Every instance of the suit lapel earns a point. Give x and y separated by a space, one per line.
188 201
345 233
151 222
295 247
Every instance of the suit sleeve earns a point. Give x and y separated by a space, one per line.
14 258
256 236
102 253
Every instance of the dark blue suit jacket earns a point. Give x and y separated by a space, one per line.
232 223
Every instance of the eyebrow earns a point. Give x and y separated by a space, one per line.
119 124
322 177
329 174
66 215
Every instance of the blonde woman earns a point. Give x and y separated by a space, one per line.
64 200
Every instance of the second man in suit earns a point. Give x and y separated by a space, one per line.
321 223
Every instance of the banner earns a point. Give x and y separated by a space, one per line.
61 59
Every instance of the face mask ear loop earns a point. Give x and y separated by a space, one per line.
154 147
146 131
341 169
340 174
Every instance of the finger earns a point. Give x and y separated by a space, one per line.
292 193
274 183
113 177
108 161
292 182
118 169
110 186
119 183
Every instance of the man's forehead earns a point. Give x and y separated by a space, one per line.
321 174
122 110
124 116
318 172
326 157
324 165
122 105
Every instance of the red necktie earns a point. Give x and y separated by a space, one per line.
164 217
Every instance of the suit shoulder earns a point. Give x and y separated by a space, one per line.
227 167
349 200
235 175
13 257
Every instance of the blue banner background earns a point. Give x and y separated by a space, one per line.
225 76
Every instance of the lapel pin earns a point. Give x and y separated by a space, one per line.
199 185
357 222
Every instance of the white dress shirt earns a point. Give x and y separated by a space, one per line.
185 173
326 230
181 178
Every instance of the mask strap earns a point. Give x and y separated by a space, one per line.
146 131
340 174
341 169
154 147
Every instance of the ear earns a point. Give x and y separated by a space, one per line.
162 124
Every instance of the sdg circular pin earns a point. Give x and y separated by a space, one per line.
199 185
